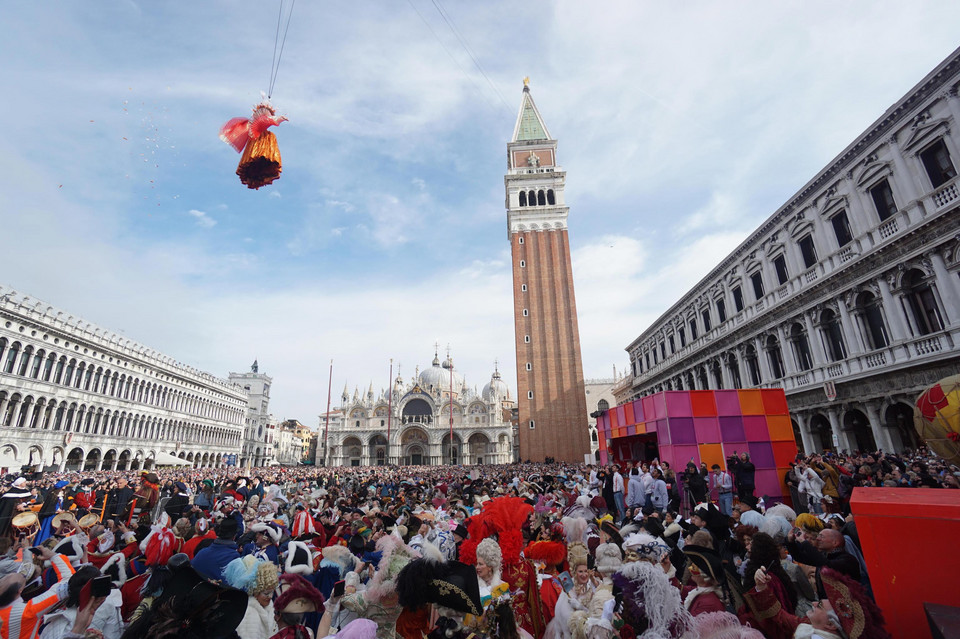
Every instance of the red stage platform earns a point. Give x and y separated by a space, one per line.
909 537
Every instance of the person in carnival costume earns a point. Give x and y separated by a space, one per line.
258 579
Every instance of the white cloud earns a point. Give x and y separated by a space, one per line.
203 220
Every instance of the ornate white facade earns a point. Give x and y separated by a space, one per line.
74 395
847 297
417 416
258 438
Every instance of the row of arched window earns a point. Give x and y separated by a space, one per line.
42 413
41 365
537 198
919 308
870 328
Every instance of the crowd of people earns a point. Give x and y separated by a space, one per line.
523 550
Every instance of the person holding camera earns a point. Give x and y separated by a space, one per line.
745 473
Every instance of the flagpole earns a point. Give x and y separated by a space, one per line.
389 408
326 427
450 361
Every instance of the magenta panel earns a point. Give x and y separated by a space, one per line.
728 402
647 403
761 454
638 413
734 448
755 427
678 404
768 483
682 431
682 455
659 406
707 430
666 454
731 429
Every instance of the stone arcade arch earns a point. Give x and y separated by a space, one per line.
378 450
855 421
414 447
75 459
92 462
479 447
898 417
352 451
821 431
449 456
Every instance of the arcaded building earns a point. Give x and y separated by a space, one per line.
847 296
77 396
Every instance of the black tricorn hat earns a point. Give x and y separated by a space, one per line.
451 584
707 560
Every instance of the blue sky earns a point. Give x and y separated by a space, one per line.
681 129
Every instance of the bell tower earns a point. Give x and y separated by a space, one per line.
551 398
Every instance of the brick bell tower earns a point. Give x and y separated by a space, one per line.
551 399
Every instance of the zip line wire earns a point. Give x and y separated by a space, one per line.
457 62
466 47
275 65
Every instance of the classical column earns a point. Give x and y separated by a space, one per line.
99 463
3 406
29 414
808 447
813 340
892 311
948 288
908 182
789 365
849 332
113 464
953 102
763 360
840 436
880 434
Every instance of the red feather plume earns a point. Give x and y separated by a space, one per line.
508 515
552 553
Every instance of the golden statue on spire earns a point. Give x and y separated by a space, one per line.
526 82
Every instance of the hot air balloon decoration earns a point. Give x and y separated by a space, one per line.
937 418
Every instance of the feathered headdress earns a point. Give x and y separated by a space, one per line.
507 515
575 529
552 553
396 555
647 594
477 530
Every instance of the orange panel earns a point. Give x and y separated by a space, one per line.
711 454
614 420
780 427
628 413
642 428
751 402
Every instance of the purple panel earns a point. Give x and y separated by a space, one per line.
662 430
728 402
761 454
755 427
678 404
638 411
707 430
631 430
731 429
682 431
682 455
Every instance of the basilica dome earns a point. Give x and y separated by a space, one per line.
496 388
437 377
